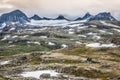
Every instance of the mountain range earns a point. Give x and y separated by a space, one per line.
18 16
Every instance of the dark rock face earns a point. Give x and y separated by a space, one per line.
78 19
36 17
14 16
87 16
103 16
61 17
45 18
99 17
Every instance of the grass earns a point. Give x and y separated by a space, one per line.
3 78
93 74
77 51
17 49
90 73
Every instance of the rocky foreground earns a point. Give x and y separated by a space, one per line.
80 63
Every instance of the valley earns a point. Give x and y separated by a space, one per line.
60 49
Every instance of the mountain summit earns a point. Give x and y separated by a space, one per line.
36 17
87 16
18 16
14 16
60 17
103 16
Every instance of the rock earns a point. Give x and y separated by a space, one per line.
37 54
23 58
69 69
90 60
45 75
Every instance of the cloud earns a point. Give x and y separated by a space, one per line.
5 5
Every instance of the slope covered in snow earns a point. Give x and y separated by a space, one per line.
109 24
48 22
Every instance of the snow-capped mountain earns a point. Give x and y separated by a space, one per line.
36 17
16 16
87 15
103 16
21 19
99 17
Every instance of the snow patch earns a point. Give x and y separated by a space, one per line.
77 42
117 30
43 37
64 46
36 74
24 36
6 37
4 62
82 36
109 24
94 26
12 29
32 42
3 25
14 36
51 43
74 25
99 45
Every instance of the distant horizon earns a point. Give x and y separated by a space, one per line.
69 8
56 15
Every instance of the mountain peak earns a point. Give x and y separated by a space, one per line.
16 12
85 17
36 17
61 17
14 16
104 16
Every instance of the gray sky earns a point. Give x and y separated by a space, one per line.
69 8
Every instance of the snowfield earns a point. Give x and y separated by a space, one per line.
36 74
48 22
